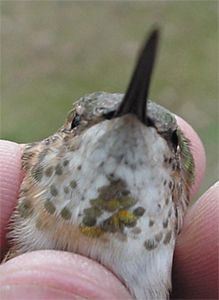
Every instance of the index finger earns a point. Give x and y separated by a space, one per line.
10 180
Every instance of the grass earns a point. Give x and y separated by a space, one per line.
53 52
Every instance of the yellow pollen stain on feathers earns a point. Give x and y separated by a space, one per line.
126 217
113 224
93 232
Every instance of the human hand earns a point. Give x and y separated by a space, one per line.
53 274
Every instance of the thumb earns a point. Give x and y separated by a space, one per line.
49 274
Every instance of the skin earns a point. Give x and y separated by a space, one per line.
61 275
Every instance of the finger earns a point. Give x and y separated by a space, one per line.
198 153
196 255
58 275
10 179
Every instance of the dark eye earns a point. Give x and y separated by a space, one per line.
174 139
76 121
150 122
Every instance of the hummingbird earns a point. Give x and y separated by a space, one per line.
111 184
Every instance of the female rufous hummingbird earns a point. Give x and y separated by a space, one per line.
111 184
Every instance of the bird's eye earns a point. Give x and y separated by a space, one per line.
150 122
76 121
175 139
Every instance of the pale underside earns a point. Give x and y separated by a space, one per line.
60 204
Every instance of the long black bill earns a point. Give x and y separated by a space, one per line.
135 99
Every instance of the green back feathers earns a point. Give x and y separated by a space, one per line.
187 158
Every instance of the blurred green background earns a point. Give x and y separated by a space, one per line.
53 52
